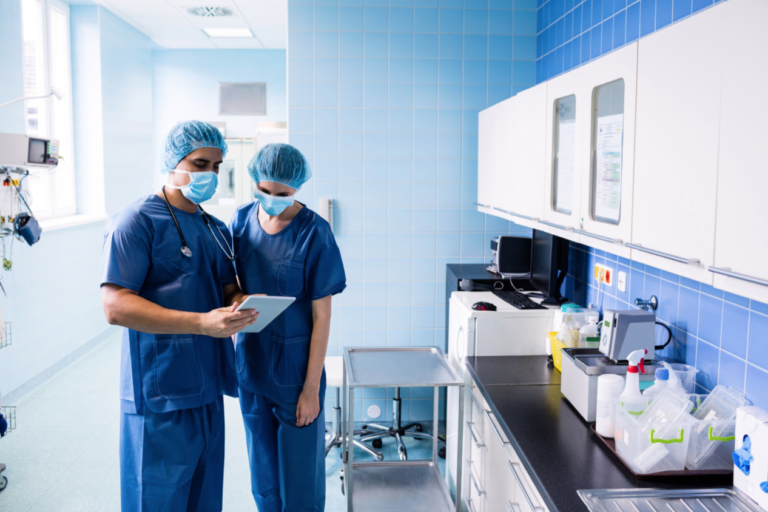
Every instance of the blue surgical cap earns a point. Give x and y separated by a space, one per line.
281 163
186 137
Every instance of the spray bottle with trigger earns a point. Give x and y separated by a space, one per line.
631 398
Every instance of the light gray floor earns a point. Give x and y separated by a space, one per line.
63 456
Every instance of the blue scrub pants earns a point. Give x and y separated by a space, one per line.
173 461
287 462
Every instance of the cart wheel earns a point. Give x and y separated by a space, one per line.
342 488
441 452
3 482
377 443
365 427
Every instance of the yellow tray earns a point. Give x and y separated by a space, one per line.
557 346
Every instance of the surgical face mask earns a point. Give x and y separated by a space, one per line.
202 185
272 205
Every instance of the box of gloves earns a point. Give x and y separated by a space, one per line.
750 457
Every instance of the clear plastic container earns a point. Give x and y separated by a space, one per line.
714 428
654 442
685 374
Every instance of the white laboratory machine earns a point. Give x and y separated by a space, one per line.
508 331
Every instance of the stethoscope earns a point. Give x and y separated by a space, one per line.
186 251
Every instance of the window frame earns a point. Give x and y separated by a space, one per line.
47 177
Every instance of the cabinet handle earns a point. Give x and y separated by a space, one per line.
599 237
679 259
526 217
513 507
472 396
474 438
482 205
474 482
520 484
730 273
495 429
558 226
468 501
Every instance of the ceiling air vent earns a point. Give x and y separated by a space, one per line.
242 99
210 12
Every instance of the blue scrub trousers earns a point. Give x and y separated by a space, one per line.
287 462
173 461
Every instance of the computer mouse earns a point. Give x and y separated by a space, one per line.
483 306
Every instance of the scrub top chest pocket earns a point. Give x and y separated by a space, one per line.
290 277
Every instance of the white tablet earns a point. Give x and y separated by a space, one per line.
269 308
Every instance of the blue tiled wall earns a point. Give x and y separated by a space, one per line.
573 32
383 99
723 335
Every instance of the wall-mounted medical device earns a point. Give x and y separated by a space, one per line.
18 150
325 210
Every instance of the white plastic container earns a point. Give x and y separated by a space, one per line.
609 386
589 331
658 439
660 382
685 374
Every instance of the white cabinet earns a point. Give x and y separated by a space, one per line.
614 72
563 173
504 184
486 158
743 173
678 97
527 153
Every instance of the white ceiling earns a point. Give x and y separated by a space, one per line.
169 24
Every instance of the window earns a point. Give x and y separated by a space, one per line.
564 158
47 64
607 149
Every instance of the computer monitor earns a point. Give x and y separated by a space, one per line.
549 265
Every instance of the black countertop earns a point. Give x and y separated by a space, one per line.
555 445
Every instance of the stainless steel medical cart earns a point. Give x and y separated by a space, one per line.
398 486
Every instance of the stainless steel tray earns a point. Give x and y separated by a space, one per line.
399 367
399 486
593 362
725 499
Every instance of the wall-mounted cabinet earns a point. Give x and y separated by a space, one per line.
607 125
652 152
678 95
740 242
486 158
563 174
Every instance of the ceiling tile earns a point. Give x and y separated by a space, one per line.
273 39
139 9
164 22
184 44
177 33
237 43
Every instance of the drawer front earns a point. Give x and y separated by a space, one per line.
528 498
478 498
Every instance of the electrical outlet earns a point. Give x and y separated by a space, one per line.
622 282
608 276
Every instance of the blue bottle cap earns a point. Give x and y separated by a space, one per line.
662 374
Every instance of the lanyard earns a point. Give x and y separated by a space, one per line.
185 250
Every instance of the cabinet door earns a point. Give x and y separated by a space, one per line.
527 152
486 157
678 97
743 172
499 483
562 165
606 118
504 186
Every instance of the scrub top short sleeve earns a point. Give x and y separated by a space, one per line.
126 260
324 272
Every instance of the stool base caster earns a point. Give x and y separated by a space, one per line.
3 482
377 443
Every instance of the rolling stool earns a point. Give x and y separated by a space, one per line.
396 431
334 375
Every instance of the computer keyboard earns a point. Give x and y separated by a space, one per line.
517 299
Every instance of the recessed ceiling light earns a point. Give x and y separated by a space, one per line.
228 32
210 12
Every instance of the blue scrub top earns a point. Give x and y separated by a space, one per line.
142 253
301 261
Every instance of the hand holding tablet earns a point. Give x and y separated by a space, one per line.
269 308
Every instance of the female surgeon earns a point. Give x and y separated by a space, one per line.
283 248
167 277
